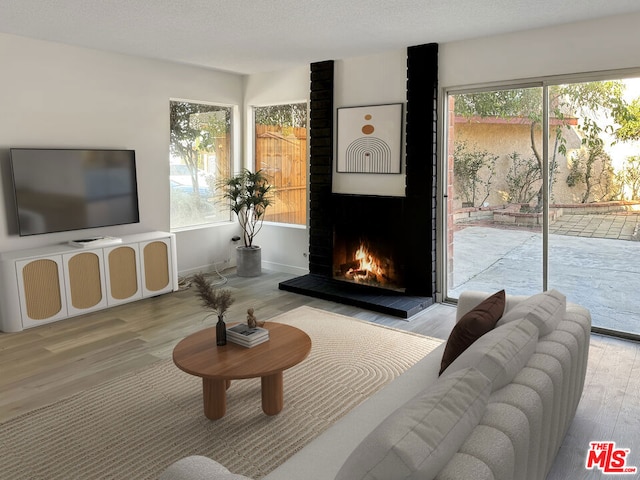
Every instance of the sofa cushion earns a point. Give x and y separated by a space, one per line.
501 353
544 310
197 467
472 326
420 437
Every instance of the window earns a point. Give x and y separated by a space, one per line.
281 153
200 155
532 211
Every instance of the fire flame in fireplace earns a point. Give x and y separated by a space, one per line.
367 267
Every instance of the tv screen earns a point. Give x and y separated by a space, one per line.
59 190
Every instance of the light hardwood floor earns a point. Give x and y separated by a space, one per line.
43 364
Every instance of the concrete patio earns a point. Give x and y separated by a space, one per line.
592 258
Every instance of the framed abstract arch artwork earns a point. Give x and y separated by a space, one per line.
370 139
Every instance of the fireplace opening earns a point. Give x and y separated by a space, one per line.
371 259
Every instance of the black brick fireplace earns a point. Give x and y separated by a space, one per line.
398 231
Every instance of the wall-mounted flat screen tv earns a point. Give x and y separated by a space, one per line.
60 190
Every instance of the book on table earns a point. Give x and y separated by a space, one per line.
246 336
242 343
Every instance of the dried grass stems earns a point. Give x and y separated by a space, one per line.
218 300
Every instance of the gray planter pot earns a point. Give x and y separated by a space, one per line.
248 261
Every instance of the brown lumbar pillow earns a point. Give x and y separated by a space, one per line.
472 326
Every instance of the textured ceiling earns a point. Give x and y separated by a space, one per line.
249 36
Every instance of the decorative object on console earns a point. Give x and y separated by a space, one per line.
95 242
249 194
472 326
218 300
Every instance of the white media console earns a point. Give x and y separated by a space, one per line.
48 284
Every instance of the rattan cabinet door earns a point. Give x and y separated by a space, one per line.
86 290
156 267
41 290
123 274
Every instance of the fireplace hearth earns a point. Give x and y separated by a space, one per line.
376 299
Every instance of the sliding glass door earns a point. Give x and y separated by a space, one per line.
543 191
493 188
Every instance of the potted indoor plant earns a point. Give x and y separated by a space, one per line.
249 195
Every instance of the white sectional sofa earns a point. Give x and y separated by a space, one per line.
499 412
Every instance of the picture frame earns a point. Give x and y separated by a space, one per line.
369 139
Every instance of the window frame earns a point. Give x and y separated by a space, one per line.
233 142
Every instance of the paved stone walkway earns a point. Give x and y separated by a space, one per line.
623 226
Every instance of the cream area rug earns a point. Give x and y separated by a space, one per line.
133 427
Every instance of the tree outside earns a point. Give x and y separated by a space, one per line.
473 171
199 156
586 119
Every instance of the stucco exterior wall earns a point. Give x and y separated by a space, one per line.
502 140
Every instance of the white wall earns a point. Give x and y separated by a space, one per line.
284 247
371 80
54 95
606 44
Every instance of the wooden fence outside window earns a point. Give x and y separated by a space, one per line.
281 152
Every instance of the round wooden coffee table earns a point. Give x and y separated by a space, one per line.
198 355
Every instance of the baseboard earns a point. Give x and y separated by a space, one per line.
273 266
211 267
282 268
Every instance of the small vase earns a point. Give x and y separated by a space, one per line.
221 331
